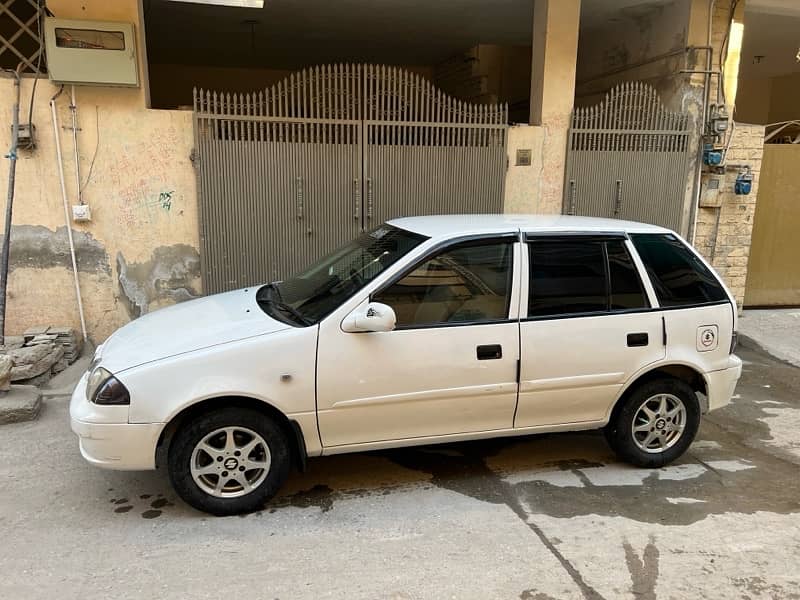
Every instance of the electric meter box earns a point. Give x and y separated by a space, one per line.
91 52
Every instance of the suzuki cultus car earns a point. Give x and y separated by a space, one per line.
424 330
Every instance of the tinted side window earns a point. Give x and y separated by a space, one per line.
466 284
678 277
627 292
566 277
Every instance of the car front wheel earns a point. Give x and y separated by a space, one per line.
656 423
229 461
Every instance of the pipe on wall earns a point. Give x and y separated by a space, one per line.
704 118
68 223
74 110
12 170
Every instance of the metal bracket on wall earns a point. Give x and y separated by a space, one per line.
299 194
356 199
618 198
572 196
369 197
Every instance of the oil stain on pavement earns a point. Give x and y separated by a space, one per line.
124 505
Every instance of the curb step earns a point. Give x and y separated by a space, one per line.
21 403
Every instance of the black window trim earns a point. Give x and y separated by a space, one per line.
598 237
627 311
478 240
549 236
728 298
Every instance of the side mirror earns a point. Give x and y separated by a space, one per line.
372 316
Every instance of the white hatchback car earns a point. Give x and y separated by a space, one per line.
424 330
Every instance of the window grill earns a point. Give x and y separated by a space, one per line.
20 35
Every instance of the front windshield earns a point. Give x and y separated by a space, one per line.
311 295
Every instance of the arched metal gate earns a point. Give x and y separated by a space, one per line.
288 174
627 158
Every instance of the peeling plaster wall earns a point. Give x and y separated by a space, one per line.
171 275
137 179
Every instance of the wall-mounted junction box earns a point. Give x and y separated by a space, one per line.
81 213
710 197
91 52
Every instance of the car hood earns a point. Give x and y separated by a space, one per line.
185 327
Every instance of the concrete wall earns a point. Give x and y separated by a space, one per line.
556 28
523 193
140 250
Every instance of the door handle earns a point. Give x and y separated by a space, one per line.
490 352
637 339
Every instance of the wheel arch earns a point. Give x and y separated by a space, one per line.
291 428
689 374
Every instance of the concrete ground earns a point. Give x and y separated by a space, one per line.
554 516
777 330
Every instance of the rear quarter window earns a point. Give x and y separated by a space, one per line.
678 276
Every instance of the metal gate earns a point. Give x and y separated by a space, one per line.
288 174
627 158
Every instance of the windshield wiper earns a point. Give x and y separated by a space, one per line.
274 299
292 311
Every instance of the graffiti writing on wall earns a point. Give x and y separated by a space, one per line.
165 199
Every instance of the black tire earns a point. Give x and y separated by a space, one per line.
619 431
197 429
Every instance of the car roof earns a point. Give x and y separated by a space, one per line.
445 226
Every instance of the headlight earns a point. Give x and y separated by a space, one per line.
103 388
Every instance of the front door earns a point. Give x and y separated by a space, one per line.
450 365
588 329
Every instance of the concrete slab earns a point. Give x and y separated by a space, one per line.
776 331
21 403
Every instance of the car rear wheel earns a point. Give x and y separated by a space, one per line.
655 424
229 461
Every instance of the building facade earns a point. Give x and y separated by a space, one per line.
135 159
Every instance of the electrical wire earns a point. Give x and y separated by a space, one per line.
96 148
39 9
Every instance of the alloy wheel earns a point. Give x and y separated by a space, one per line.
659 423
230 462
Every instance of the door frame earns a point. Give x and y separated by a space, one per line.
332 325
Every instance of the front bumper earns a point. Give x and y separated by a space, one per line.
722 384
106 438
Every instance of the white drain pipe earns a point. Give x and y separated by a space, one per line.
66 212
74 110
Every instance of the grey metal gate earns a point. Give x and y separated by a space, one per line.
627 158
287 174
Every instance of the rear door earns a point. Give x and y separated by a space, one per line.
699 312
589 327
